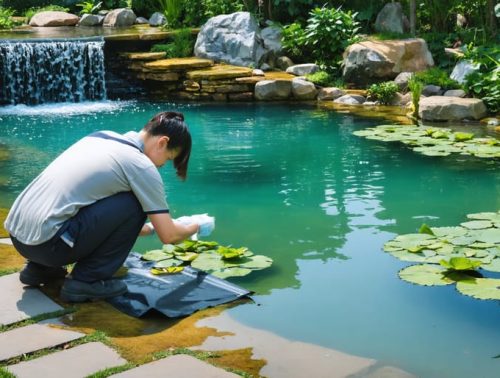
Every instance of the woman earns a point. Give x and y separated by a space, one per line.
90 204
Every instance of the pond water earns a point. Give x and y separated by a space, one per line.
293 183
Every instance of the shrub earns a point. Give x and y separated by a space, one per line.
6 21
293 41
32 11
213 8
181 46
321 78
437 76
383 92
172 10
145 8
90 7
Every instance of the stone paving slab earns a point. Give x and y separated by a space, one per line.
32 338
77 362
178 366
19 302
5 241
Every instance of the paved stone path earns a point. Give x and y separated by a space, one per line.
18 303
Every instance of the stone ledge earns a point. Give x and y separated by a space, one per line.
144 56
220 72
178 64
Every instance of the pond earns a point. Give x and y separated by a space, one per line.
293 183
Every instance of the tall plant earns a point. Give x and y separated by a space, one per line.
416 87
172 10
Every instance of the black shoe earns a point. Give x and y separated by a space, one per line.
80 291
34 274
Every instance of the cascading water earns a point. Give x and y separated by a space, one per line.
36 72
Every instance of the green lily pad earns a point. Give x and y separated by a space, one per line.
425 274
168 248
167 263
477 224
209 261
491 235
424 229
461 137
257 262
232 272
186 256
449 232
493 266
156 255
460 263
481 288
462 240
493 217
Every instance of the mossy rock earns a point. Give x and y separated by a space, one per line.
144 56
220 72
178 64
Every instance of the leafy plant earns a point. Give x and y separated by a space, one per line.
416 87
90 7
181 46
6 21
32 11
145 8
321 78
383 92
293 41
172 10
437 76
213 8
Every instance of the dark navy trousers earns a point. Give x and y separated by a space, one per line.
101 235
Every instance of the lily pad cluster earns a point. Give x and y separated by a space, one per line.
449 255
209 256
432 141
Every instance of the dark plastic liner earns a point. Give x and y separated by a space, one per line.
173 295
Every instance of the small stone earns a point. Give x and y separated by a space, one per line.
283 62
157 19
455 93
431 90
350 100
258 72
330 93
141 21
303 69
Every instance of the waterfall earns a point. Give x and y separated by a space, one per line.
36 72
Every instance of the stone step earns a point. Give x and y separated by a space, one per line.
77 362
144 56
19 302
219 72
178 366
178 64
32 338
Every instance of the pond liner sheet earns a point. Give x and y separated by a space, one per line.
173 295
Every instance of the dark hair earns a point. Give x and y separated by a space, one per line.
172 125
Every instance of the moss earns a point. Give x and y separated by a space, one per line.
10 259
239 360
3 215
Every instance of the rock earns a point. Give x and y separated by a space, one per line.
374 61
462 69
440 108
330 93
431 90
265 67
91 20
303 69
191 86
390 19
400 99
258 72
283 62
370 103
461 21
350 100
402 80
455 93
232 38
121 17
141 21
157 19
54 18
273 89
303 90
272 39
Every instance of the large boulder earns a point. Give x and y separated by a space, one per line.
303 89
122 17
273 89
54 18
232 38
441 108
375 61
390 19
91 20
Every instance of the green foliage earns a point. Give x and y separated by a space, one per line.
90 7
6 21
485 83
4 373
416 87
328 32
172 10
293 41
145 8
383 92
32 11
213 8
181 46
437 76
321 78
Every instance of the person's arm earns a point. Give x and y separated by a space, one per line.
167 230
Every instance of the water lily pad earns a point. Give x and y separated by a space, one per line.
481 288
461 137
257 262
186 256
491 235
232 272
167 270
462 240
168 248
449 232
156 255
410 257
425 274
477 225
493 217
208 262
493 266
460 263
166 263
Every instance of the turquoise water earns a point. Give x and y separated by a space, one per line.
293 183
